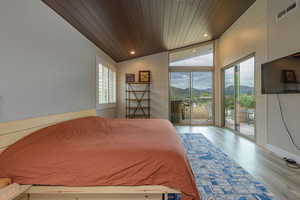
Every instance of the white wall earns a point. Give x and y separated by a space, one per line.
46 66
283 40
257 31
158 65
246 36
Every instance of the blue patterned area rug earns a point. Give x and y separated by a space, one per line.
217 176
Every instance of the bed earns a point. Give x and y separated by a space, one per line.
99 154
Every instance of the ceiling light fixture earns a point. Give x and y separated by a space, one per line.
132 52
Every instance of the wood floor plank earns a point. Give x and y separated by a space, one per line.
266 167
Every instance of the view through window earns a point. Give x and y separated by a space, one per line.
106 85
239 97
191 91
201 56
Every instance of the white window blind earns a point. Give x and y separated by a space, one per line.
112 86
106 85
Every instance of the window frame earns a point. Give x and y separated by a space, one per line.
235 65
111 67
196 69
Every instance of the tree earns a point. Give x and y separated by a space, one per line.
229 102
247 101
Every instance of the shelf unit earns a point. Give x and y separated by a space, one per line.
138 101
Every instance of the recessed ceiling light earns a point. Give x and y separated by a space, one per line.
205 35
132 52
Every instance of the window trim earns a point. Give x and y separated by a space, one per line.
196 69
110 66
234 65
200 67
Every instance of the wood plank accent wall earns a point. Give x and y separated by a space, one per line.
10 132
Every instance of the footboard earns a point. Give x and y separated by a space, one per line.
97 193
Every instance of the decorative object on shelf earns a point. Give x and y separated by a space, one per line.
138 100
130 78
289 76
144 76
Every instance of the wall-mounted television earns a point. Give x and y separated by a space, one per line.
281 76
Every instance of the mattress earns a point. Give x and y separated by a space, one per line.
96 151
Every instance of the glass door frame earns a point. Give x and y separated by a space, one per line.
223 96
194 69
190 91
236 67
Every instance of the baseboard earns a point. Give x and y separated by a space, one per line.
282 153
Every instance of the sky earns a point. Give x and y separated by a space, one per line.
201 60
203 80
246 73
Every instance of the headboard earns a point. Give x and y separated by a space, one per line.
10 132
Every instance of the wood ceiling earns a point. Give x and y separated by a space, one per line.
149 26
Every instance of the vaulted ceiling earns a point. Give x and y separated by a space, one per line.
149 26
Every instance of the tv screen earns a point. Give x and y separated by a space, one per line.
282 75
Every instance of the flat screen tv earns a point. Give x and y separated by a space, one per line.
281 76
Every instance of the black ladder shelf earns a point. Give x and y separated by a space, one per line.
138 100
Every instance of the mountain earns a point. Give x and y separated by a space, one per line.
243 90
197 92
185 92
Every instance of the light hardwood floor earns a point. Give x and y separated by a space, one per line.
283 181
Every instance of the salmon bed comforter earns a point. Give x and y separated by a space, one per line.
96 151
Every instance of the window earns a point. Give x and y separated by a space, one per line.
201 56
191 98
112 86
106 82
191 85
239 97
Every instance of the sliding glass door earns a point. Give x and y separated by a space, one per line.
180 94
239 97
229 97
191 98
202 98
246 98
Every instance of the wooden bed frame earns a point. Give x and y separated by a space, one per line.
10 132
